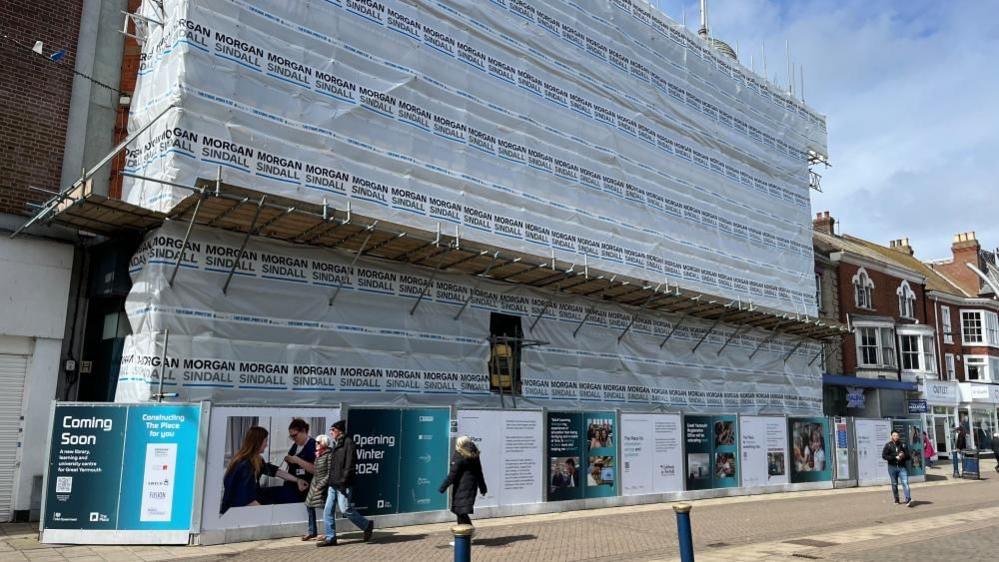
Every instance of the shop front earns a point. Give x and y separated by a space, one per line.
977 413
942 399
866 398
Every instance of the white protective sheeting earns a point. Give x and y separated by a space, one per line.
601 131
274 338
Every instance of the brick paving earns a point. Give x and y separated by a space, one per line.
740 528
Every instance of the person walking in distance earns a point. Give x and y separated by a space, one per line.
896 454
318 488
960 444
464 479
341 476
995 448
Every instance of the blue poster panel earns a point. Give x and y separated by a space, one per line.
712 445
425 437
811 453
376 435
122 467
912 434
582 455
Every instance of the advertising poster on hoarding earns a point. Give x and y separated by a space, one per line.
512 453
842 445
810 458
238 496
912 434
582 455
424 460
763 443
651 454
121 468
712 452
871 438
402 456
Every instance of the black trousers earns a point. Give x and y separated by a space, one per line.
464 519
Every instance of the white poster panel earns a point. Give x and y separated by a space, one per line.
871 438
652 451
512 451
763 441
229 427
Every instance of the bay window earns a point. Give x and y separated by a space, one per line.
980 327
976 368
875 346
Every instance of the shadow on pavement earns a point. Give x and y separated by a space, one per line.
385 538
502 541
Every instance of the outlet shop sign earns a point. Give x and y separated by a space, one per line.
940 393
972 392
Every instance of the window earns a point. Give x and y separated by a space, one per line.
951 373
863 289
992 329
971 327
977 368
909 346
506 342
818 291
917 352
948 329
875 347
906 301
868 338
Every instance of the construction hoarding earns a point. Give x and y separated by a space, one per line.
538 126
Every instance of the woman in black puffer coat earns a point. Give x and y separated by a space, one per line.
465 479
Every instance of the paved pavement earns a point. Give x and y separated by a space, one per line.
856 524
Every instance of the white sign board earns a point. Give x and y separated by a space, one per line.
512 452
229 427
652 453
763 442
943 393
871 438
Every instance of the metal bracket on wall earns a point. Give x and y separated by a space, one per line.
593 308
370 230
742 328
242 245
187 238
673 330
768 339
793 349
635 316
480 276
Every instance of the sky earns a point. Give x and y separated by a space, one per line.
910 89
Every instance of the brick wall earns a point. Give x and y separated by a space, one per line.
129 75
34 97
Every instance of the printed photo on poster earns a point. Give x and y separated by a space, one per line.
698 466
565 472
601 471
712 452
724 433
600 433
724 465
811 456
258 469
775 463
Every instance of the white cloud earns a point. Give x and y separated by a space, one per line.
911 91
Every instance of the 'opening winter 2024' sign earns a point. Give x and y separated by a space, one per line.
121 473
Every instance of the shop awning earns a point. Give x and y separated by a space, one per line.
844 380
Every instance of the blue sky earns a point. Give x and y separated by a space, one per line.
911 92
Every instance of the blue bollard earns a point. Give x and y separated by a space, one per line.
683 532
463 542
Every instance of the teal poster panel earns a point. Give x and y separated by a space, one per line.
426 450
566 480
376 435
85 467
712 451
725 459
161 449
600 443
911 432
811 452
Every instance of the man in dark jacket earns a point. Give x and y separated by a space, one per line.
342 471
960 444
896 454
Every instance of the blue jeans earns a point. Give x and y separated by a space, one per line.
334 499
313 531
899 474
955 459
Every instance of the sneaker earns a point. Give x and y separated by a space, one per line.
326 543
908 503
450 543
368 531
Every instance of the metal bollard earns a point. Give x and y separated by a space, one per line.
683 532
462 542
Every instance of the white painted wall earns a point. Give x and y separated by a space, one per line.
34 290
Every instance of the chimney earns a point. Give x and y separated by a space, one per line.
824 223
902 245
966 250
965 243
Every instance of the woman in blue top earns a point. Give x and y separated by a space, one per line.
241 484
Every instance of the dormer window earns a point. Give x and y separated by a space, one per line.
906 301
863 290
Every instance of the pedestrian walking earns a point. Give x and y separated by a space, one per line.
340 494
995 448
960 444
318 488
896 453
465 479
928 450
